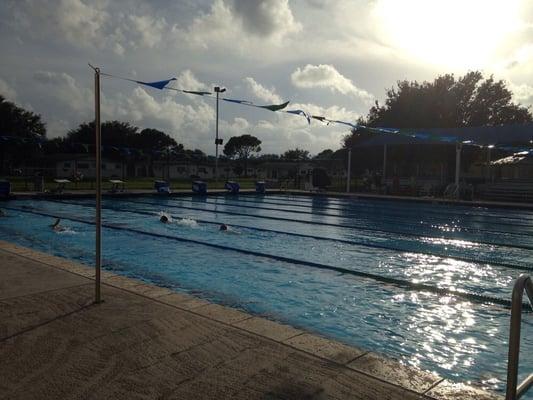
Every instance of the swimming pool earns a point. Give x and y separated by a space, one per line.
404 279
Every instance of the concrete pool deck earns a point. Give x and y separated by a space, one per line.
146 341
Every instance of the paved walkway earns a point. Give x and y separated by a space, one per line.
147 342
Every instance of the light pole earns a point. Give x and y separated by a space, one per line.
218 141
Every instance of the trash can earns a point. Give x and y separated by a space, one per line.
232 187
260 187
199 187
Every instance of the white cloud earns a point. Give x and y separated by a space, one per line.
326 76
63 88
261 92
188 124
150 30
265 18
522 93
7 91
240 24
71 20
186 80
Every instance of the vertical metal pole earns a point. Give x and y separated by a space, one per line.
349 171
98 220
457 166
384 163
216 145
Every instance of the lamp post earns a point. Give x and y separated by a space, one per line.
218 90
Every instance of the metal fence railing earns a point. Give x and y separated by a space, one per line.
515 390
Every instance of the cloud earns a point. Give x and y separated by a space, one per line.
522 93
63 88
186 80
265 18
71 20
240 24
150 30
190 124
7 91
261 92
326 76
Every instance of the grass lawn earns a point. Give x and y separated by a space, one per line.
19 184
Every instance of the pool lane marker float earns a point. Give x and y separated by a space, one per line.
384 218
412 234
475 297
352 242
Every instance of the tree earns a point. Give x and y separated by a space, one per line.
114 133
324 155
16 121
448 102
152 138
22 132
241 147
295 155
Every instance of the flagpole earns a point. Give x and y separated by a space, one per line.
98 166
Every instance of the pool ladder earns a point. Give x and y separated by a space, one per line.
515 391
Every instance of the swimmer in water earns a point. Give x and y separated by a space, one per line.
56 227
223 227
164 219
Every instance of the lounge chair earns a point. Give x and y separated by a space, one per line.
162 187
61 184
117 186
232 187
199 187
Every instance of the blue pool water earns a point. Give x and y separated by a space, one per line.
299 260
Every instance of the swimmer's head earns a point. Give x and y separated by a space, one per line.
223 227
163 219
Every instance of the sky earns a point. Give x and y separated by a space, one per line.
328 57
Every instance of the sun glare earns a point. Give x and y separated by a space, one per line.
451 33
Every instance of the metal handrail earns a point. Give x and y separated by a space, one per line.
515 391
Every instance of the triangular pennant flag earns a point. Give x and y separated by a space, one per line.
246 102
195 92
158 85
275 107
302 113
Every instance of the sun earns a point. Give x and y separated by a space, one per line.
461 34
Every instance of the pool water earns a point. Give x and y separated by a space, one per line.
317 263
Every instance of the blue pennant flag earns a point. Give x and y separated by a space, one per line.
302 113
158 85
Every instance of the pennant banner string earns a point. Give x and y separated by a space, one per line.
163 85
